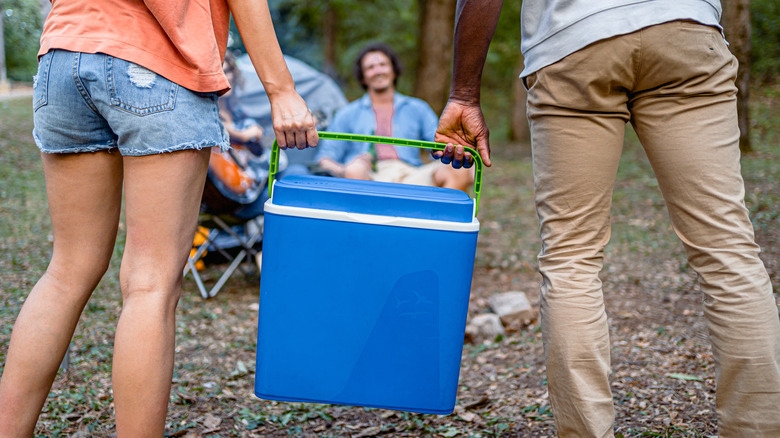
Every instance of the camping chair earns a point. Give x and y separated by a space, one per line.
230 223
246 234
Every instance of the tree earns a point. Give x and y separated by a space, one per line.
21 38
518 124
736 26
3 79
765 33
434 42
330 34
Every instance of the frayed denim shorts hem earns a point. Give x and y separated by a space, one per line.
127 152
85 102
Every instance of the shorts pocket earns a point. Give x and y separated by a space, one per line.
138 90
41 82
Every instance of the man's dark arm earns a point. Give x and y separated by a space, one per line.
462 122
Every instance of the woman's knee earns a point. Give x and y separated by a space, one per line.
75 273
151 282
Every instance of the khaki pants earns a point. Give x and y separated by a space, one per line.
675 83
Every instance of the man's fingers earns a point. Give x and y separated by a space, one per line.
483 146
457 155
468 160
457 159
446 157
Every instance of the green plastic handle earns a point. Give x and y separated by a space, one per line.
274 165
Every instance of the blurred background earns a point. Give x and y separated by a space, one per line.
328 34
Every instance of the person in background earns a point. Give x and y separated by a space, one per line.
385 112
241 129
127 102
664 66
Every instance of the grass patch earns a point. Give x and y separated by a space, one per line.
24 226
760 168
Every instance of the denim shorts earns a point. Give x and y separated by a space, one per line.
86 102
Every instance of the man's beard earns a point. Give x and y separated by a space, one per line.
382 88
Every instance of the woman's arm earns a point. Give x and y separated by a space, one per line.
293 123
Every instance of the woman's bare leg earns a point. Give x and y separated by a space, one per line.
85 195
162 198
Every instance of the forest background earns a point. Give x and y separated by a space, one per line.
327 34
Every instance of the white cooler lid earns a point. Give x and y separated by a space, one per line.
373 202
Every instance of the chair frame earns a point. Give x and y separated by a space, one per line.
219 225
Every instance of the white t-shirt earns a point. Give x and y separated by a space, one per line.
554 29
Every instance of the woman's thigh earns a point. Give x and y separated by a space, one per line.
85 197
162 200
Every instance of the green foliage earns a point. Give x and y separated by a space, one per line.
22 27
765 24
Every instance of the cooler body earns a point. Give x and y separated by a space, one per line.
364 309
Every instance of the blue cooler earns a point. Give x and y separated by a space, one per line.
364 291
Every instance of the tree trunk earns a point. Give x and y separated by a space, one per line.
4 86
736 26
518 124
436 26
330 24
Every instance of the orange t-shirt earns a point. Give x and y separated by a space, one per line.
181 40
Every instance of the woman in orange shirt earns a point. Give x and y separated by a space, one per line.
126 100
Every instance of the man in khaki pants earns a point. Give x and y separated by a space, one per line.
664 66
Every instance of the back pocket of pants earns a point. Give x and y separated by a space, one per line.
41 82
138 90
